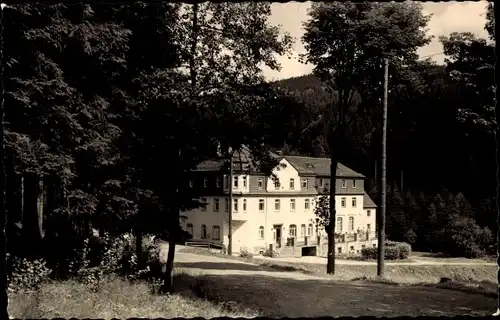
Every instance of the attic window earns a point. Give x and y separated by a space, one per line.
310 165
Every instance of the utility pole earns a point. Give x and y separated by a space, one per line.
381 220
230 209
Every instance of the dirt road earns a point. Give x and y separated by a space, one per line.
291 294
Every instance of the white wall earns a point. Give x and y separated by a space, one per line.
284 174
246 224
241 187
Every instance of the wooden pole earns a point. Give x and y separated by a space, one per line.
381 220
230 209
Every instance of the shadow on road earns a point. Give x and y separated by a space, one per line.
223 266
278 297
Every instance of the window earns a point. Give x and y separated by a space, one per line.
216 205
321 182
310 230
351 248
306 204
302 230
292 205
354 183
363 246
261 183
354 202
217 182
203 231
339 250
261 233
368 227
351 223
244 204
342 202
226 182
339 224
276 185
368 213
235 182
215 233
261 204
191 183
205 182
235 205
244 182
292 183
189 228
303 183
277 205
374 245
343 184
203 204
292 230
226 205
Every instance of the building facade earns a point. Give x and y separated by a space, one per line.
281 211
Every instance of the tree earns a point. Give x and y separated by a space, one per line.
213 103
346 42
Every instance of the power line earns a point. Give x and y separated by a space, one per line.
430 55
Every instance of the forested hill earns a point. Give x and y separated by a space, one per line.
429 147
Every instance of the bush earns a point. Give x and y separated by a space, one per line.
246 254
393 251
27 275
270 253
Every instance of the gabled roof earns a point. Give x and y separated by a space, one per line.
320 167
368 202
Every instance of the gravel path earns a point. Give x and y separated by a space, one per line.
293 294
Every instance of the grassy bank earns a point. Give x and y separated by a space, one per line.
471 278
116 298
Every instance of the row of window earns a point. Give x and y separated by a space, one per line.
215 231
236 206
323 183
339 226
277 204
292 231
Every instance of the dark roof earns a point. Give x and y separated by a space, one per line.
368 202
320 167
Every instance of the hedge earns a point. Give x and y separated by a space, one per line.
393 251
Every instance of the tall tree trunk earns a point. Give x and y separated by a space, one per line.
330 266
31 232
168 275
138 246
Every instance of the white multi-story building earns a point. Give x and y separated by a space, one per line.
273 212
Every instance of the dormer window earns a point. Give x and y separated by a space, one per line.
244 181
343 183
303 183
310 165
276 185
321 183
292 184
354 183
260 183
217 182
191 183
235 182
205 182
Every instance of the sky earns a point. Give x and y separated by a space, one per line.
447 17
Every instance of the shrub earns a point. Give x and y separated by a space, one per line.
270 253
392 252
403 248
27 275
246 254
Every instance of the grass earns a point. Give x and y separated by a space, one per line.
116 298
469 278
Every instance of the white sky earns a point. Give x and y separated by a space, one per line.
447 17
